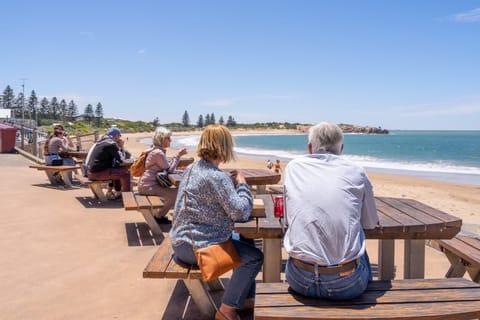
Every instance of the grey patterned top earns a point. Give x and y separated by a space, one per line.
213 205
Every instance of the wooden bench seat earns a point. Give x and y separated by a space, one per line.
453 298
463 252
64 171
147 205
163 266
96 186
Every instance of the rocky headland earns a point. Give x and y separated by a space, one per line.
352 128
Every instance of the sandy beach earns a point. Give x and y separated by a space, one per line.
457 199
65 256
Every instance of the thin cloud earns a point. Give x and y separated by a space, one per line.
142 51
469 16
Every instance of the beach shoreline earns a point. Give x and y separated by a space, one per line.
458 199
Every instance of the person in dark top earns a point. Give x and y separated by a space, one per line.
104 160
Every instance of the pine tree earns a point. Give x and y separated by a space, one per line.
72 110
63 109
207 119
155 122
8 97
88 113
200 121
45 108
54 108
98 114
212 118
32 104
231 122
221 121
185 119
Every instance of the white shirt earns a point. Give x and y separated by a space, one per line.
328 202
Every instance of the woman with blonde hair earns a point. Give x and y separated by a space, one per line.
156 161
213 202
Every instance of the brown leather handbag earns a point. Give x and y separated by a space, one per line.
216 259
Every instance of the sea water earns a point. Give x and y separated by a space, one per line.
441 155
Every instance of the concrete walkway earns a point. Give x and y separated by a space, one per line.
63 256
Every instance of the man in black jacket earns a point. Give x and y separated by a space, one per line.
104 159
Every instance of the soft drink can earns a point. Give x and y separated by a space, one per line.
278 206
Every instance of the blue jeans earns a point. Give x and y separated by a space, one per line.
242 282
330 286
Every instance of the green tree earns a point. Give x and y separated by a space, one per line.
231 122
32 105
185 119
63 109
98 114
88 113
221 121
8 97
207 119
45 108
72 110
54 108
155 122
212 118
200 121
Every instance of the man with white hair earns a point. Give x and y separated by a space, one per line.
328 202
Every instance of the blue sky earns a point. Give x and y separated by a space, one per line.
394 64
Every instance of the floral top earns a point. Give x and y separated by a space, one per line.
213 205
156 161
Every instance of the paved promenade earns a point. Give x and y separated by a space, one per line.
65 257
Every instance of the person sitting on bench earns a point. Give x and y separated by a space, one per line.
328 202
56 144
104 159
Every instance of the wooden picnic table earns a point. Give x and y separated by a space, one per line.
406 219
257 177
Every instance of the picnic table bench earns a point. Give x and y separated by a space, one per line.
452 298
96 186
463 252
64 171
164 266
147 205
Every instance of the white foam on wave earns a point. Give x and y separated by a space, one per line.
190 142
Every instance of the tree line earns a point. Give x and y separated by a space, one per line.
208 119
48 109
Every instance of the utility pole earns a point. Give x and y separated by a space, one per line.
23 100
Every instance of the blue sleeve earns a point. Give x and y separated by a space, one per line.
237 203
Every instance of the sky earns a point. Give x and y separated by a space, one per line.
394 64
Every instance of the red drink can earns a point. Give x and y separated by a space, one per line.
278 206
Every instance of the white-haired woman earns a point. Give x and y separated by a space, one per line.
157 161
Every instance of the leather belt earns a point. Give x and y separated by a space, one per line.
342 269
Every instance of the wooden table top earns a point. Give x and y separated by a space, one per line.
252 176
399 219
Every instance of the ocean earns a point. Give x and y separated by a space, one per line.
452 156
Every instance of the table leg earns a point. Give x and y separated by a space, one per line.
386 259
66 178
272 250
414 259
261 189
152 223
